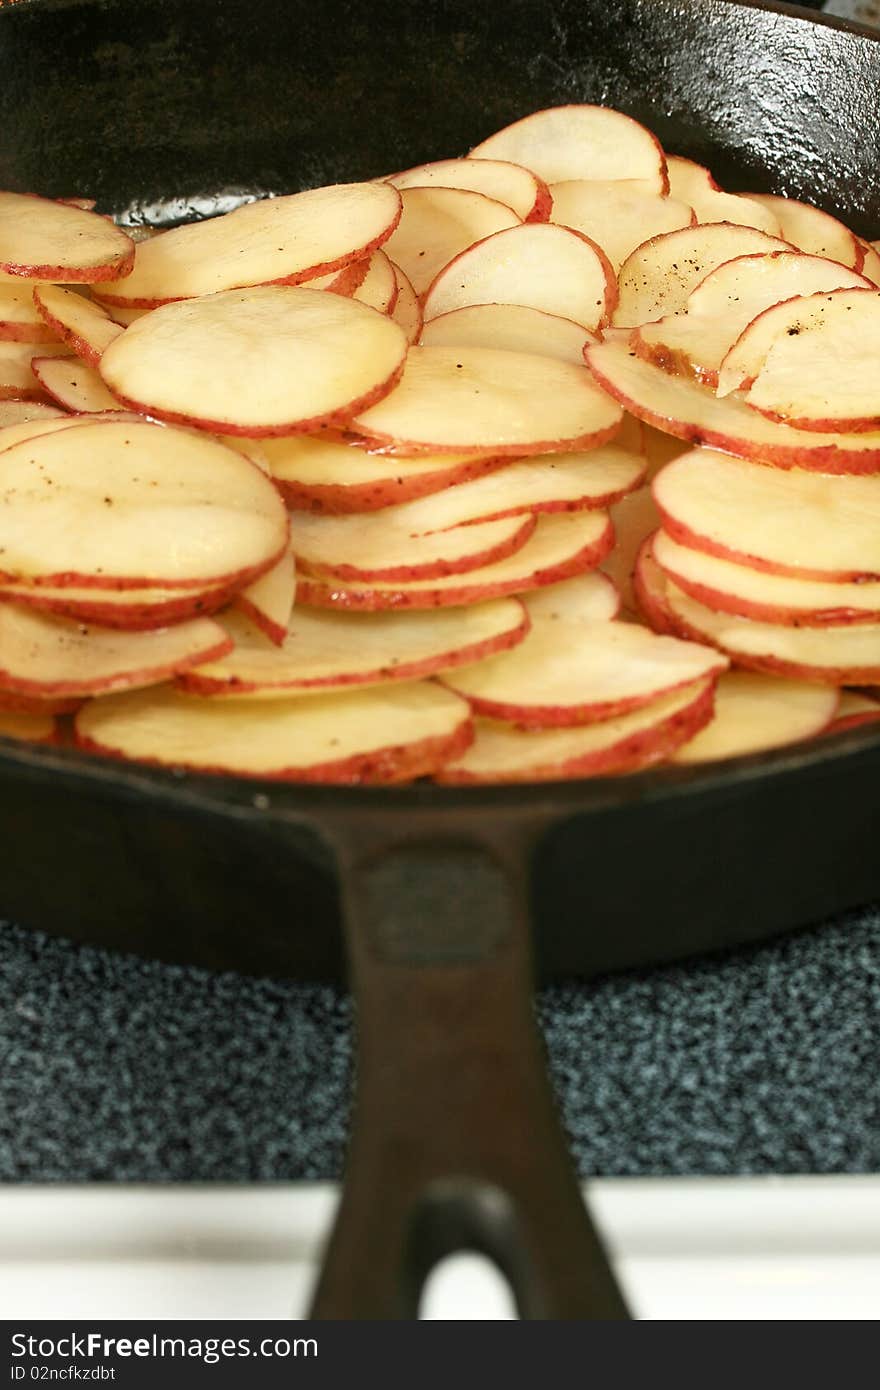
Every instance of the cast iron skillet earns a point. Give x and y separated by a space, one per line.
162 108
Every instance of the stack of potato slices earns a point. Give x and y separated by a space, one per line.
386 480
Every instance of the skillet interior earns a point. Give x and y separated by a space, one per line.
163 109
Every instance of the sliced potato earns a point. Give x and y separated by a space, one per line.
41 239
754 713
617 215
510 327
390 734
74 385
580 142
511 184
438 224
84 325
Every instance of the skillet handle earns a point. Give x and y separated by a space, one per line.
455 1141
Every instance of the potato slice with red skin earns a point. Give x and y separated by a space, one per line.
273 241
274 360
31 728
17 379
729 587
771 518
852 712
379 288
847 655
694 184
407 311
130 610
548 483
391 545
754 713
16 412
83 324
334 478
563 545
506 403
823 372
626 743
41 239
681 407
510 327
389 734
538 265
580 141
268 602
44 655
326 651
19 320
518 188
697 341
135 506
438 224
747 354
344 281
574 668
617 215
811 230
75 386
658 277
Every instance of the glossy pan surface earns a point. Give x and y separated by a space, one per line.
159 109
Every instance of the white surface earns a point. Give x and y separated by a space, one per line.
766 1248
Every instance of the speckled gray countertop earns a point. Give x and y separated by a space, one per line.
113 1068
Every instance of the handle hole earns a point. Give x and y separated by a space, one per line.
466 1287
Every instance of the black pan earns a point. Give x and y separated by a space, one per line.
161 109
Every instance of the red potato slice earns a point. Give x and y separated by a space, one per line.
84 325
634 518
17 379
811 230
379 287
518 188
694 184
407 310
74 385
617 215
274 241
747 354
627 743
41 239
438 224
575 669
847 655
511 328
268 602
400 543
537 265
344 281
31 728
19 320
267 361
658 277
823 372
725 303
323 651
505 403
548 483
131 610
32 429
852 712
19 412
41 654
773 519
754 713
333 478
135 506
580 142
563 545
757 593
689 411
385 735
